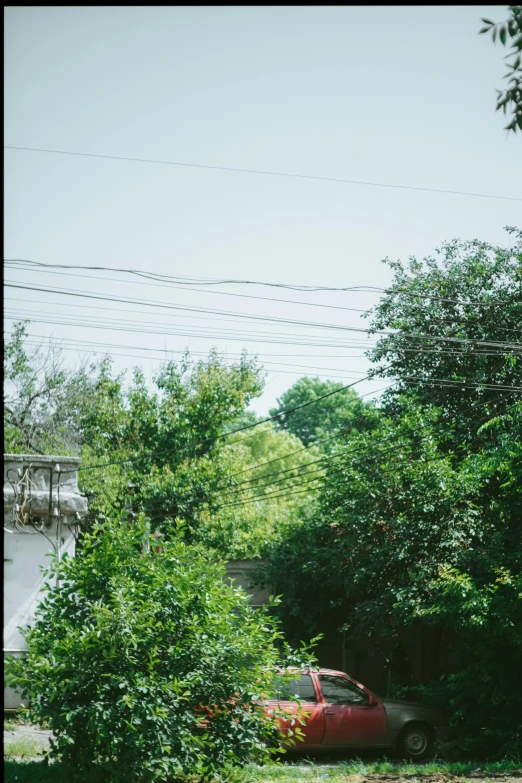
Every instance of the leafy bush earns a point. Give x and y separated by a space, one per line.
149 665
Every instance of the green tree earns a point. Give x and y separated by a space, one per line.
167 442
272 488
43 398
340 411
409 534
480 599
511 97
454 323
149 665
378 528
419 517
166 448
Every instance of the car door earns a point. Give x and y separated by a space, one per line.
352 717
303 688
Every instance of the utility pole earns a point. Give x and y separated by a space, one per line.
129 508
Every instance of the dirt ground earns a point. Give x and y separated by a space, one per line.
23 732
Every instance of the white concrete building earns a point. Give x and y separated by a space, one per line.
42 511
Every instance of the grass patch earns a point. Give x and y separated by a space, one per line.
458 768
302 771
356 770
24 747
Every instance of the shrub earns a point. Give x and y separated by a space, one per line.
149 666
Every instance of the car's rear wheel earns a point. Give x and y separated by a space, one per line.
416 742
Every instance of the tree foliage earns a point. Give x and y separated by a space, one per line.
166 442
418 523
340 411
43 399
149 665
269 475
379 527
159 449
167 449
511 97
454 321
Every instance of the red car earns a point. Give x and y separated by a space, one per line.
343 714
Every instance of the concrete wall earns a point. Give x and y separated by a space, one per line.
42 509
240 573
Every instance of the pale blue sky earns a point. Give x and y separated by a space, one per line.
395 95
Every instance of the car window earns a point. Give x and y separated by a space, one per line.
299 688
338 690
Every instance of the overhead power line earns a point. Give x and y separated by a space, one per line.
310 484
237 490
270 319
270 338
159 502
87 320
87 347
253 484
224 333
191 330
324 372
15 266
222 316
176 287
252 337
197 281
183 308
309 488
164 350
261 172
